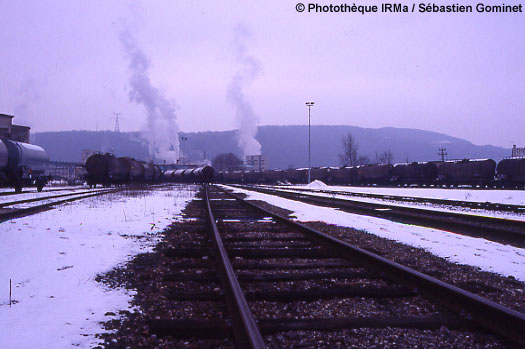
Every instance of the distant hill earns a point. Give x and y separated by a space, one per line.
284 146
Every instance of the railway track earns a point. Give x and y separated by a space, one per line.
9 193
475 205
10 210
254 279
501 230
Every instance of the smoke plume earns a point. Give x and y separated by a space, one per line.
162 130
244 114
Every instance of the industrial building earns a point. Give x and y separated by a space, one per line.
14 132
257 162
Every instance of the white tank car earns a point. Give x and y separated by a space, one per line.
22 164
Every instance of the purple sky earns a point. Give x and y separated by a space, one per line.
63 66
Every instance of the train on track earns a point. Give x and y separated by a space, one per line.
22 165
107 169
192 175
508 173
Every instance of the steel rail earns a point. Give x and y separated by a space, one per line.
414 199
505 228
4 204
40 208
493 316
250 333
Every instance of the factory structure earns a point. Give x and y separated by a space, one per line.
15 132
257 162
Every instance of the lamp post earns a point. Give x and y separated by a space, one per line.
183 140
309 105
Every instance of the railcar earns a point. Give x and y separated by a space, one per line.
22 164
97 169
320 174
415 173
511 172
136 170
375 174
468 172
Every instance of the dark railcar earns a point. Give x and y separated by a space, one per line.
274 176
119 170
22 164
415 173
157 177
376 174
204 174
297 176
149 172
97 169
136 170
320 174
511 172
470 172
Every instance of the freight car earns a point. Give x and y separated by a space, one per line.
511 173
423 173
22 164
472 172
467 172
374 174
106 169
203 174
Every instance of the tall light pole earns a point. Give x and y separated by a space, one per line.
183 140
309 105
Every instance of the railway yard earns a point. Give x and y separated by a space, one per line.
173 265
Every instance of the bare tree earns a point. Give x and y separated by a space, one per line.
385 158
349 155
227 162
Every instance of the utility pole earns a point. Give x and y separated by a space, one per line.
309 105
117 126
442 153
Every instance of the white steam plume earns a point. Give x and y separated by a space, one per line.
244 114
161 127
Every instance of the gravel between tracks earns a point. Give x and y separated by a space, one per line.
146 275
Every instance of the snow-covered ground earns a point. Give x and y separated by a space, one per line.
515 197
435 207
486 255
53 258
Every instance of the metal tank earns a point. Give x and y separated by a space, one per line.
511 172
471 172
118 170
22 164
97 169
415 173
378 174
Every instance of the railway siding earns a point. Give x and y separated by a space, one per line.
300 293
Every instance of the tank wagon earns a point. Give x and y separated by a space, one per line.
415 173
106 169
203 174
22 164
469 172
473 172
374 174
511 172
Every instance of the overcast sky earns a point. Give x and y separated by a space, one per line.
63 66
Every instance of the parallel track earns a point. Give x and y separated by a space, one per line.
248 243
495 229
6 214
489 206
